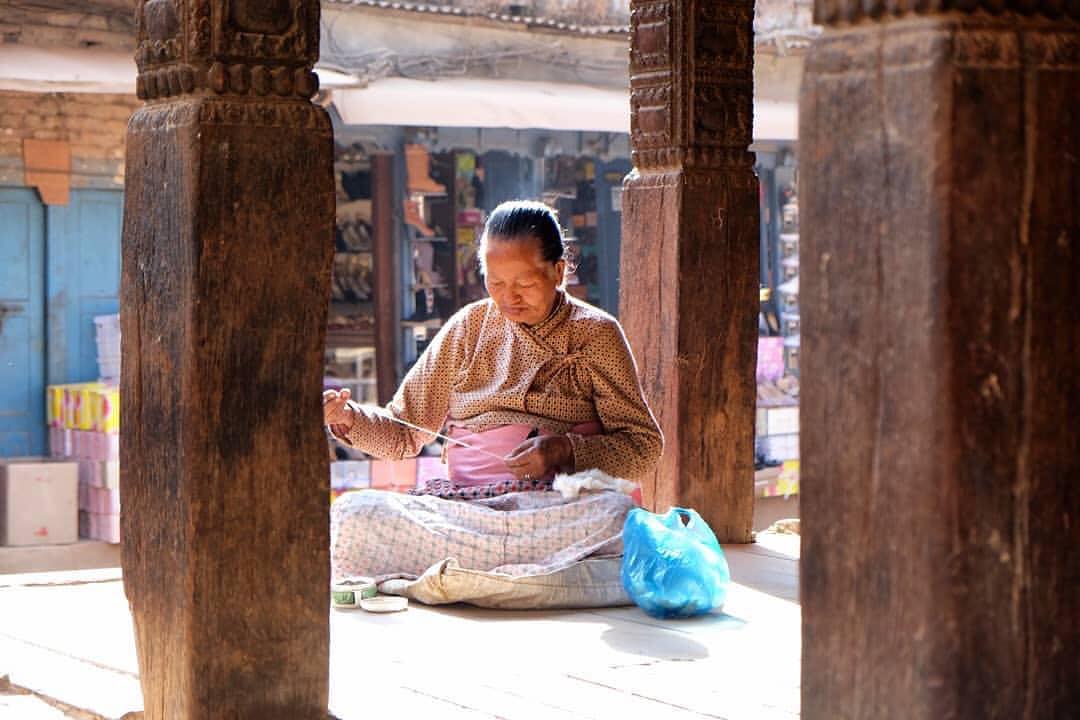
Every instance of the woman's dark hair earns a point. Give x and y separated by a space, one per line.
518 220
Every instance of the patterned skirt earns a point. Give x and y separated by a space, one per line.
391 535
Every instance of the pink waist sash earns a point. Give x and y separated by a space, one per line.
468 467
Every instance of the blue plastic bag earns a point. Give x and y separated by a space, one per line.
672 564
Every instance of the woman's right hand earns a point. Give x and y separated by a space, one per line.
337 412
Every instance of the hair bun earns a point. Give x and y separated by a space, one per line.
527 219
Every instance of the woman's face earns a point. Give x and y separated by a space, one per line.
519 280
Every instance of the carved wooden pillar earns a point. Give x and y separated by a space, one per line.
941 205
689 297
228 235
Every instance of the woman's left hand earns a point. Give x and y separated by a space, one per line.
536 457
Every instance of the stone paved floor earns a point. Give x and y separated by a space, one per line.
68 636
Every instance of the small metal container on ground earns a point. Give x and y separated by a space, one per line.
348 592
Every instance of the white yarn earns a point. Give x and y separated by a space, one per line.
592 481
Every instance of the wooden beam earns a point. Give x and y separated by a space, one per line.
386 274
689 290
940 204
227 248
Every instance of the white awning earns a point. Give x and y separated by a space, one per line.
448 102
65 70
470 102
87 70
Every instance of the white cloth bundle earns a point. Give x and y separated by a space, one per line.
570 486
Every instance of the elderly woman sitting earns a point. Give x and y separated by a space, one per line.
534 382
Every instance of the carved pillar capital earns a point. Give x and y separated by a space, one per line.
691 83
261 48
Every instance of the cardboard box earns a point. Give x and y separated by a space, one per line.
80 444
105 411
84 406
430 468
393 474
100 473
110 470
61 442
77 405
39 502
104 501
105 527
87 475
55 406
782 420
350 475
110 529
770 362
781 481
778 448
99 446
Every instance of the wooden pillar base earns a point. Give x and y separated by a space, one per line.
690 242
227 248
940 199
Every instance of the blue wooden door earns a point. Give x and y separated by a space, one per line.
83 279
22 323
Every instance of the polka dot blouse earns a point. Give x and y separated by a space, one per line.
482 370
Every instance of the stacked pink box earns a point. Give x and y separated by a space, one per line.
399 475
429 468
83 444
84 425
99 499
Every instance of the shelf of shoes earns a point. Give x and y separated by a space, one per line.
570 189
432 290
468 227
777 436
789 289
428 277
351 320
352 368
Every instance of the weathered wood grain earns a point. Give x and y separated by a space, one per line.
226 255
939 192
227 248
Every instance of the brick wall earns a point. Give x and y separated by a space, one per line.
94 125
